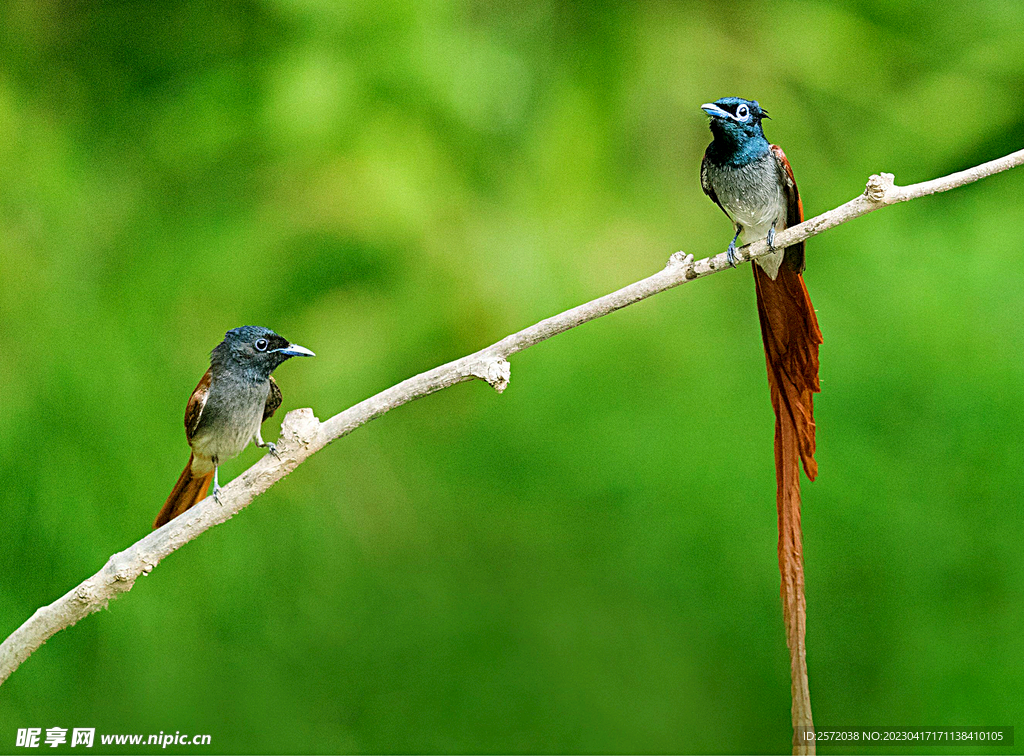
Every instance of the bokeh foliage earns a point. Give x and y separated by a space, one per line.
586 563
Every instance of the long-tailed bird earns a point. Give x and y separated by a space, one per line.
751 181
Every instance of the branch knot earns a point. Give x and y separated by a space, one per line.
681 259
878 186
84 594
299 428
497 373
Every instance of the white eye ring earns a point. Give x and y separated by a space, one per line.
742 113
261 345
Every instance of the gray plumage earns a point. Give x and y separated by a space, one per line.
235 404
752 196
227 408
230 419
751 181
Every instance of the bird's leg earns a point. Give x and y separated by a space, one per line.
266 444
216 487
771 238
730 254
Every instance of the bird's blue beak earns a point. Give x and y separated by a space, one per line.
294 350
714 111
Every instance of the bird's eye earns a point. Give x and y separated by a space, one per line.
742 112
261 345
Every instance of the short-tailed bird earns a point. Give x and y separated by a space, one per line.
227 408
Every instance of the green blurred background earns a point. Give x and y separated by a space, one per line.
587 562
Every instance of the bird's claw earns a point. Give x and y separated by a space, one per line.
730 254
771 238
268 445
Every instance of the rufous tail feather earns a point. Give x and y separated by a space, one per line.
188 491
791 339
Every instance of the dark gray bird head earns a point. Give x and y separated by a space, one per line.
254 352
736 127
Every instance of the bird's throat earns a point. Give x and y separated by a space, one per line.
735 147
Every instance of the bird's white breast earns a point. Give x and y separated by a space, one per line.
752 197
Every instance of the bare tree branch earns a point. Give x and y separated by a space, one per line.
302 434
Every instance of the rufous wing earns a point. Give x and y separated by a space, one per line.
794 208
191 487
196 403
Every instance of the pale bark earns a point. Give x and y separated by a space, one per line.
302 434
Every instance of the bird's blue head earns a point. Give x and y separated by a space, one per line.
736 126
